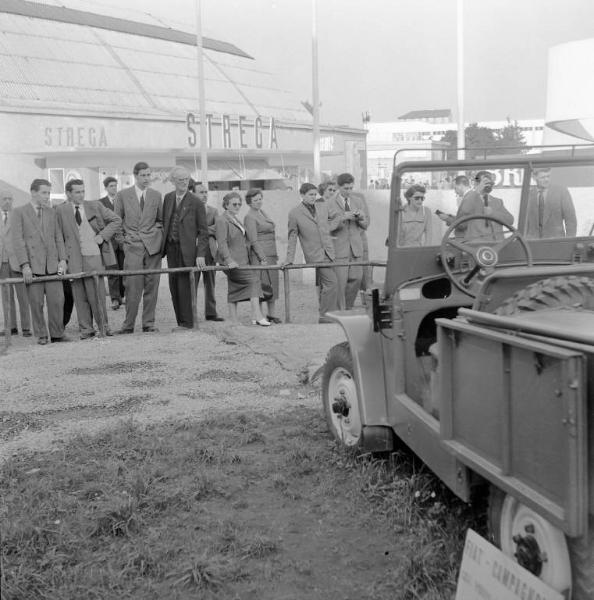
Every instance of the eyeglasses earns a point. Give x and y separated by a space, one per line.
418 197
234 203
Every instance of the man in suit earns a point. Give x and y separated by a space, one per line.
208 277
87 228
38 249
308 221
141 211
348 219
66 285
551 212
115 282
185 240
479 201
8 270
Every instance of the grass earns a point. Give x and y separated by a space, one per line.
247 506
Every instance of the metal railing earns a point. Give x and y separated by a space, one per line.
102 326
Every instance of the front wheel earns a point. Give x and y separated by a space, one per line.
531 540
339 396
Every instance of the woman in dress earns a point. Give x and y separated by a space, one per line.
234 250
260 227
415 221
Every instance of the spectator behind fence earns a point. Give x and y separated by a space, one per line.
308 221
415 218
234 251
115 282
551 212
141 211
66 285
260 226
87 229
8 270
208 277
348 219
39 250
185 241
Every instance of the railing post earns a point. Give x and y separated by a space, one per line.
6 309
193 287
286 287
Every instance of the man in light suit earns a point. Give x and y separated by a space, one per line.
348 219
141 211
8 270
87 228
39 250
185 240
208 277
308 221
551 212
115 282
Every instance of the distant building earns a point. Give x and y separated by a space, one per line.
87 95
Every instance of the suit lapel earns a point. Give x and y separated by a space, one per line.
185 205
35 220
306 212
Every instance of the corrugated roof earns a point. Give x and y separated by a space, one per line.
79 67
435 113
62 14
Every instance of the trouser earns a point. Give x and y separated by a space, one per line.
68 301
349 282
141 286
88 303
179 286
328 289
54 297
208 277
116 282
21 294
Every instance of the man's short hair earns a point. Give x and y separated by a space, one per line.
344 178
37 183
461 180
140 166
540 170
481 174
305 187
109 180
72 182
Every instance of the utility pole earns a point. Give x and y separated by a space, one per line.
315 94
460 76
201 96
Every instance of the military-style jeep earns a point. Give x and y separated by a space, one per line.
479 351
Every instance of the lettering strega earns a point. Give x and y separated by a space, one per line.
75 137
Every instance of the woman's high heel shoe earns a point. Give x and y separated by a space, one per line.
273 320
261 322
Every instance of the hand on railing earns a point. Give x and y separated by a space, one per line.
62 268
200 262
27 274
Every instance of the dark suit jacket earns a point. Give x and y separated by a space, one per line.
101 220
559 218
347 234
473 204
40 244
142 230
193 230
213 250
313 234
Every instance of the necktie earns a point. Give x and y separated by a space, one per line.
4 217
38 209
142 202
540 197
347 206
486 204
77 215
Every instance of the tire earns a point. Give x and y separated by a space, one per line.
570 291
508 519
581 551
340 397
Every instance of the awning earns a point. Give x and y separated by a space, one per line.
240 175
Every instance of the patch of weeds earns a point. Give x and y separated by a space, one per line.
204 572
119 517
227 376
259 547
14 423
149 382
116 368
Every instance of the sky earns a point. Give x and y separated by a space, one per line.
388 57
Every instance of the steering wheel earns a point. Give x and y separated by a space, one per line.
485 253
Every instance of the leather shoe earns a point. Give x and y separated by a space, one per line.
150 330
274 320
42 341
64 338
123 331
13 331
181 328
26 333
87 336
108 332
115 304
215 318
261 322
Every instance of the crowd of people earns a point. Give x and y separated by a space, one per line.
134 228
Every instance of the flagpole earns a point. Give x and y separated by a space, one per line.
315 94
460 76
201 96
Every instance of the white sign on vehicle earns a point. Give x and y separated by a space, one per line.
488 574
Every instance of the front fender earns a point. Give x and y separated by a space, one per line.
368 365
